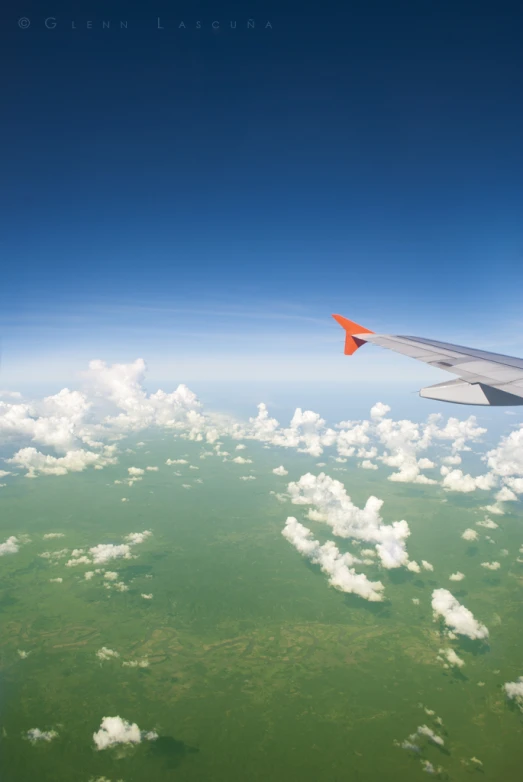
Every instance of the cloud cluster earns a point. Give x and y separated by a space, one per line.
81 425
336 565
331 504
103 553
456 616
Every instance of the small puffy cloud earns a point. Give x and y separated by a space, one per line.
115 730
147 597
241 460
136 663
429 767
456 616
111 575
452 460
106 654
413 567
506 495
280 470
134 538
336 565
88 575
152 469
35 734
514 691
241 447
247 478
424 730
415 600
379 411
23 655
426 565
176 461
491 565
135 471
470 534
80 560
487 523
456 576
49 535
55 580
10 546
366 464
451 658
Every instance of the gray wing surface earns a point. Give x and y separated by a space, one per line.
483 378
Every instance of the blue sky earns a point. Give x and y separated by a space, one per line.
207 198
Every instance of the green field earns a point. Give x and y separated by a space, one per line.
255 668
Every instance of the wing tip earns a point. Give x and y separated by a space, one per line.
352 343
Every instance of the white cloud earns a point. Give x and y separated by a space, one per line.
136 663
115 730
147 597
176 461
106 654
81 560
35 734
10 546
456 616
426 565
487 523
331 504
452 460
135 471
55 580
456 576
280 470
456 480
37 463
423 730
50 535
451 658
336 565
241 460
135 538
491 565
152 469
379 410
105 552
514 691
470 534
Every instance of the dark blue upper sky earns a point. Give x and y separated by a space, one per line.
363 157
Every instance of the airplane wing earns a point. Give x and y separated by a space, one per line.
483 378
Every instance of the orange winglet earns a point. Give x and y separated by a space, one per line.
351 343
